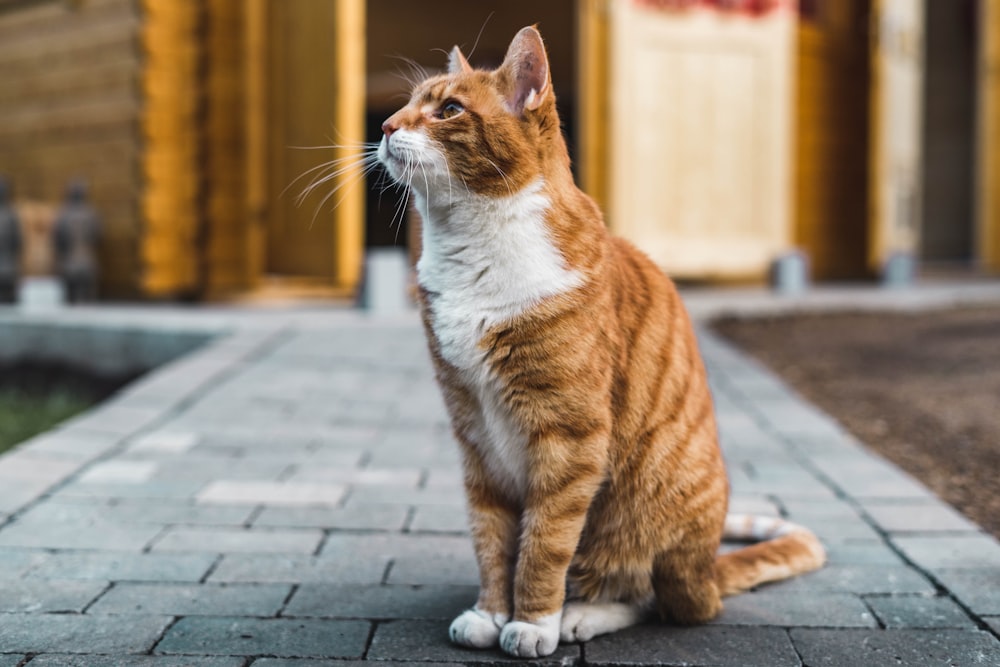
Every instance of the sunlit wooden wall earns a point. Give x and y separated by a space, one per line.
69 107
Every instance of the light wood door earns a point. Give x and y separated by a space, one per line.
831 147
896 116
701 150
315 98
988 141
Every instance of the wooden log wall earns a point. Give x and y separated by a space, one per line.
69 107
173 188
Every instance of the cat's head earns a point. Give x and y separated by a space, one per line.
478 131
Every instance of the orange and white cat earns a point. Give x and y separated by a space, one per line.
596 488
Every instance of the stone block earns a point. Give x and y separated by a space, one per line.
950 551
118 472
50 660
230 540
772 607
277 637
891 648
917 611
976 588
90 535
71 633
271 493
18 562
859 579
440 519
124 567
40 597
918 517
381 602
358 517
423 641
193 599
715 646
290 568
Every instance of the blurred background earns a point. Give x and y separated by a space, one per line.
720 135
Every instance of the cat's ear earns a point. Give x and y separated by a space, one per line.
457 64
527 72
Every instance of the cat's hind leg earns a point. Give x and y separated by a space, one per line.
582 621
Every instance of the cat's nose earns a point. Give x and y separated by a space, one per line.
388 127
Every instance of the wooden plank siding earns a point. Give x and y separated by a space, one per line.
831 187
172 150
69 107
225 249
988 158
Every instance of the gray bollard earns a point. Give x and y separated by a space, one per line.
790 273
899 270
385 281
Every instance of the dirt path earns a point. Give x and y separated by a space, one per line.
921 389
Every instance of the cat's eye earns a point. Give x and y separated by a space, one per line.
450 110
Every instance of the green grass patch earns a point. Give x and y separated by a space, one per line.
35 397
24 414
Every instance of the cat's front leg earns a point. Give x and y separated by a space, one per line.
552 522
494 525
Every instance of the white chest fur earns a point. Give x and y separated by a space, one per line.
485 262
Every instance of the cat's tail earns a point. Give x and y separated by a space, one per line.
783 549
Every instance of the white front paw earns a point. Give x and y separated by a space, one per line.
531 640
583 621
476 628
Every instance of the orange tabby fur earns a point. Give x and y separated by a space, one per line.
617 491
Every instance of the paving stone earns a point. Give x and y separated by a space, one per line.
434 570
278 637
358 517
18 562
423 641
859 579
271 493
125 472
70 445
374 495
125 567
949 551
10 660
231 540
702 646
71 633
978 588
153 490
396 478
25 464
300 662
891 648
440 519
861 552
193 599
48 596
166 442
918 517
50 660
165 512
774 608
381 602
84 535
994 623
915 611
275 568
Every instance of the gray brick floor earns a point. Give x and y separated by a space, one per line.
289 496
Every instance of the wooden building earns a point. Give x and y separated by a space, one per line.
718 135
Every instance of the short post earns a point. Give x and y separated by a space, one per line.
10 246
790 273
76 235
383 290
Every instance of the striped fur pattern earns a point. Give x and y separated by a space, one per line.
595 484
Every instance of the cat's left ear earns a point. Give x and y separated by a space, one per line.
527 68
457 64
